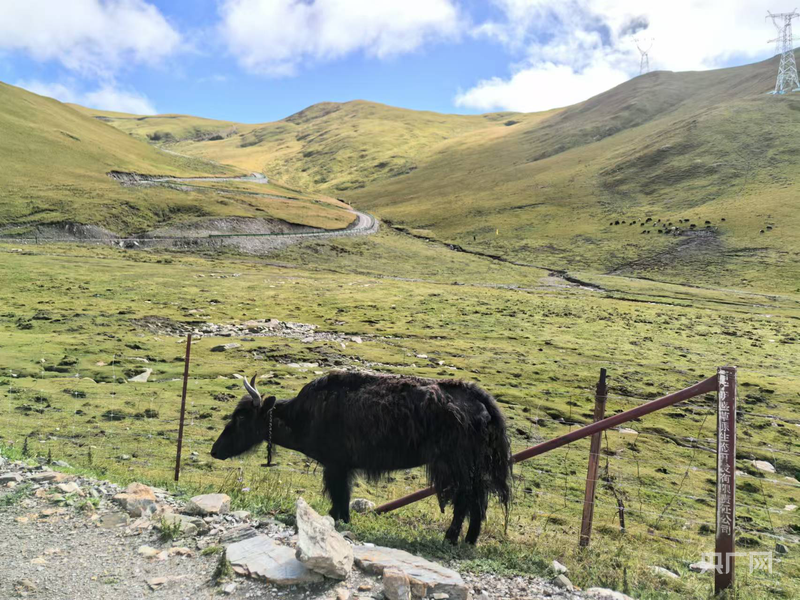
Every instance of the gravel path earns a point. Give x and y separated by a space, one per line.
64 539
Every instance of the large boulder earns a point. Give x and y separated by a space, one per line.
138 500
262 557
426 577
209 504
319 546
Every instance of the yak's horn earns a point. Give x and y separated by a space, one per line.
251 389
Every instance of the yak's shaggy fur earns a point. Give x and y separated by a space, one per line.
373 424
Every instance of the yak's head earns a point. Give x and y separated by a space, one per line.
249 424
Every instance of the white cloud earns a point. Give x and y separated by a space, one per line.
91 37
277 37
106 97
570 50
540 88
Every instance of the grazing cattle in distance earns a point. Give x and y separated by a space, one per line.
370 424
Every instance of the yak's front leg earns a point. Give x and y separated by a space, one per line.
337 484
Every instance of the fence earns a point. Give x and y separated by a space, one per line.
724 384
133 431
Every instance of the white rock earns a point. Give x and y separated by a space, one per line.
361 505
319 546
240 514
70 488
209 504
142 377
664 572
558 567
605 594
763 465
263 558
790 507
701 567
563 582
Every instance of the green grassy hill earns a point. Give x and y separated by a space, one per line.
709 157
54 163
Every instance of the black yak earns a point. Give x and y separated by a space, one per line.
361 423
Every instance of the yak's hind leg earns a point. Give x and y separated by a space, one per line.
459 514
338 481
479 502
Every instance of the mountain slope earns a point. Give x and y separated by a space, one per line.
55 161
679 149
682 148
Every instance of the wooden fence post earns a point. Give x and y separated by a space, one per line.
594 459
726 479
183 405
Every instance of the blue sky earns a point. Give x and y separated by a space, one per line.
261 60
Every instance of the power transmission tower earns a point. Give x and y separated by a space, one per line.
644 65
787 71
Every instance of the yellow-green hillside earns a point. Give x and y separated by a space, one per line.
54 163
685 150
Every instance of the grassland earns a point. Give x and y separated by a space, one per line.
55 161
74 330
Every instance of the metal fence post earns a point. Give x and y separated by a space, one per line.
594 459
726 479
183 405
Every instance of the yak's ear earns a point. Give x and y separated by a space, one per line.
268 402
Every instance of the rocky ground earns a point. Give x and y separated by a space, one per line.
67 537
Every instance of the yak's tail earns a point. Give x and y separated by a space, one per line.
497 456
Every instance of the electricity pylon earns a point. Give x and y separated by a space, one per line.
644 65
787 71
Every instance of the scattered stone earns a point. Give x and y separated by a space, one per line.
664 572
61 463
148 551
11 478
701 567
605 594
50 476
781 549
342 593
558 567
563 582
364 587
263 558
39 560
209 504
237 534
319 546
24 587
361 505
138 500
70 488
179 551
188 525
229 588
396 585
156 582
142 377
226 347
426 577
113 520
763 465
790 507
241 515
